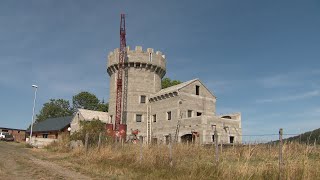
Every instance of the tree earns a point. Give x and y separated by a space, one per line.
85 100
167 82
104 107
93 127
54 108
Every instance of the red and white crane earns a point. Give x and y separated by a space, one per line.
122 56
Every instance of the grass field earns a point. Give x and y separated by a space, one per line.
193 161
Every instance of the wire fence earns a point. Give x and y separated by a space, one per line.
101 139
275 145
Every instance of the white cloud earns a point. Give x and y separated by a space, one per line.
304 95
288 79
277 81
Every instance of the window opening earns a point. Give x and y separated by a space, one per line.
138 117
189 113
154 141
142 99
167 139
231 139
169 115
154 118
226 117
197 90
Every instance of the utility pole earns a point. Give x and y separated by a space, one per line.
34 105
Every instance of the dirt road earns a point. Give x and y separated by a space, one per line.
17 162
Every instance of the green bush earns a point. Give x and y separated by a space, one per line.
93 128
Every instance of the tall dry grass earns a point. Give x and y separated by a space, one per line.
198 162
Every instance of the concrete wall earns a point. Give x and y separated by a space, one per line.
75 123
89 116
145 70
225 127
41 142
186 100
204 125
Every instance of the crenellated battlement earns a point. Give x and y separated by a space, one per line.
138 49
138 58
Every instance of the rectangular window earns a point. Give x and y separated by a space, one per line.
167 139
231 139
199 113
197 90
142 99
138 117
154 141
212 138
189 113
150 57
169 115
154 117
110 118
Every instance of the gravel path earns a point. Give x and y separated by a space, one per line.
17 162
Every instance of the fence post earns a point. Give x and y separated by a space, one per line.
170 150
141 153
86 142
122 141
216 145
99 141
280 153
270 143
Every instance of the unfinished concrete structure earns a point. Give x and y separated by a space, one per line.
185 111
87 115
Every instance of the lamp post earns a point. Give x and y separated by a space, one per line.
34 105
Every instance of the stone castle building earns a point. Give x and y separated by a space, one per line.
186 112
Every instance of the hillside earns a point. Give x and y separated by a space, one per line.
307 137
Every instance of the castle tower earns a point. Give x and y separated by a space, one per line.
145 69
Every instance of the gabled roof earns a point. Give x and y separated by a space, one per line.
89 115
52 124
14 129
174 88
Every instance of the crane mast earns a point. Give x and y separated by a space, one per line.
122 56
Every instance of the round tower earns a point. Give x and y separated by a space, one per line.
144 71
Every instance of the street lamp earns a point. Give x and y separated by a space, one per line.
34 105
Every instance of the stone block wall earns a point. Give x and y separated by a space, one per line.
145 70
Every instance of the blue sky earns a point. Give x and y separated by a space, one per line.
258 57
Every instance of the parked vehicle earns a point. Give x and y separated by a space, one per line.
8 137
3 135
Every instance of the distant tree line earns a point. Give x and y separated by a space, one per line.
84 100
309 137
61 107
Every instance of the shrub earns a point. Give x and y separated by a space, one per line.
93 128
